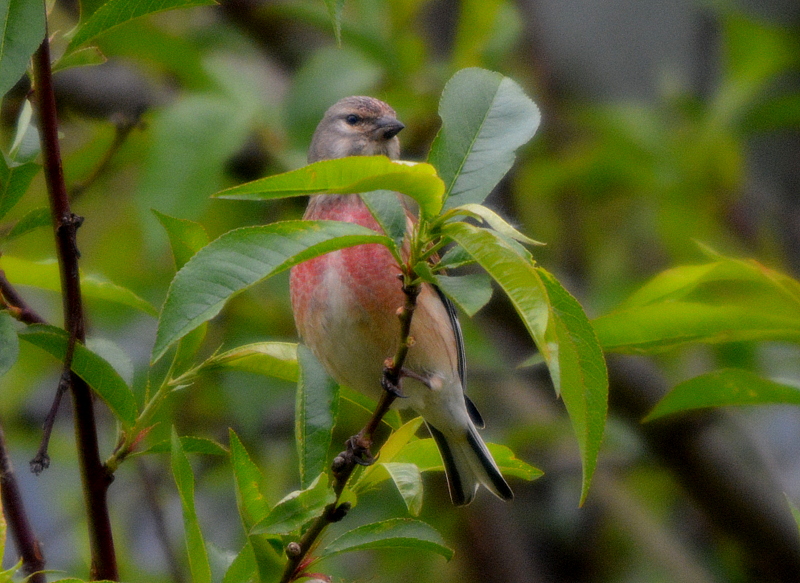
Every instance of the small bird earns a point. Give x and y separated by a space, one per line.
346 302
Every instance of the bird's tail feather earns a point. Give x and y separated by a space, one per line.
468 464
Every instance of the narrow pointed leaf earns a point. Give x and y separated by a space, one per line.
392 533
274 359
116 12
9 343
335 13
516 275
241 258
185 237
315 415
253 507
350 175
495 221
393 446
297 508
80 58
46 276
243 568
583 378
195 544
98 374
723 388
485 118
22 24
14 180
32 220
189 444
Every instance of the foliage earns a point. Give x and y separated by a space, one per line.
223 353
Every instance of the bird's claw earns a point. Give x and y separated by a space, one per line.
393 388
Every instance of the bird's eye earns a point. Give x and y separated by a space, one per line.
352 119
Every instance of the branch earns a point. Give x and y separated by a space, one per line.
94 476
14 509
358 446
17 306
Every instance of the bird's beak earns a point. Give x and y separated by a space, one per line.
389 127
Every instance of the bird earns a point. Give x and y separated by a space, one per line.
346 304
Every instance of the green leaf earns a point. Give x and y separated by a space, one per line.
456 256
469 292
32 220
243 568
315 415
14 181
723 301
424 454
795 511
253 508
393 446
9 343
81 58
98 374
22 23
274 359
297 508
355 174
390 213
241 258
46 276
185 237
495 221
335 12
408 480
485 118
722 388
195 544
189 444
581 373
364 403
116 12
515 274
392 533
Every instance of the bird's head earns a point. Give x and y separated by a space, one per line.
356 126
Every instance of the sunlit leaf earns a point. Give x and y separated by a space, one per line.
485 118
46 276
516 275
393 533
315 415
393 446
241 258
9 343
297 508
582 375
354 174
116 12
723 388
495 221
190 444
195 544
22 23
98 374
274 359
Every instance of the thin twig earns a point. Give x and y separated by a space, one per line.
358 446
94 475
18 306
14 510
123 127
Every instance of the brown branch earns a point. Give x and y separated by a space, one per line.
14 509
94 476
358 446
17 306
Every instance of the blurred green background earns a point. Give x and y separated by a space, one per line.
665 124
